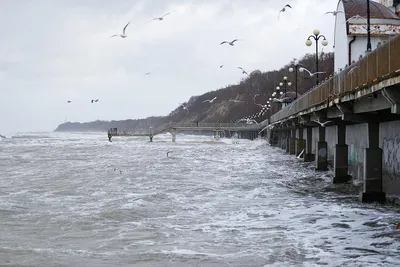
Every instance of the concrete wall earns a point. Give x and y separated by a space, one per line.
389 135
331 137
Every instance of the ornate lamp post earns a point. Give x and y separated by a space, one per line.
285 83
316 36
368 28
296 66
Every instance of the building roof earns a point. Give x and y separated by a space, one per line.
359 7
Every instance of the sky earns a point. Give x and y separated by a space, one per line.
54 51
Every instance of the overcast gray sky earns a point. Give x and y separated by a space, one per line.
52 51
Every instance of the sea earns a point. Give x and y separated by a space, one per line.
76 199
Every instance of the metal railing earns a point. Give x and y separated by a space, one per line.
372 68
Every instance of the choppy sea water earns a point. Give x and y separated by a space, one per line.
79 200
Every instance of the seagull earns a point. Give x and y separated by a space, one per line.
95 100
312 74
115 169
161 18
221 66
352 69
210 100
236 101
355 17
231 43
147 73
333 12
243 71
168 153
301 154
123 35
322 123
69 101
284 9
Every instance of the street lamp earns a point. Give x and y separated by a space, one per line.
316 36
285 83
368 28
296 68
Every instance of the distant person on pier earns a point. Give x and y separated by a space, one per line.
109 135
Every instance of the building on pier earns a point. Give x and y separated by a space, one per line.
350 40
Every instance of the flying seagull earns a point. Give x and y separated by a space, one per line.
115 169
333 12
231 43
322 123
210 100
69 101
161 18
221 66
168 153
243 71
352 69
147 73
123 35
95 100
284 9
312 74
236 101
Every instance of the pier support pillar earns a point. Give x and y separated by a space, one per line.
308 155
292 142
287 141
300 143
173 133
322 151
372 187
341 157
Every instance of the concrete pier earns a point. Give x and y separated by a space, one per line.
341 157
322 151
292 142
308 155
372 172
300 143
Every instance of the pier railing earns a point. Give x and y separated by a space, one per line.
370 69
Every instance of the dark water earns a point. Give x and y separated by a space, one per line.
211 203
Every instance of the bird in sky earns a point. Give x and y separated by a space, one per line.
230 43
147 73
334 13
95 100
236 101
283 9
69 101
210 100
323 124
313 73
123 35
161 18
221 66
243 71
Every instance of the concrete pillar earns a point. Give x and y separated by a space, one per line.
341 157
308 155
322 151
287 141
300 144
173 133
292 142
372 187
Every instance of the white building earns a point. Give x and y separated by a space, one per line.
350 40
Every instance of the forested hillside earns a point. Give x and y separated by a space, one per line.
222 109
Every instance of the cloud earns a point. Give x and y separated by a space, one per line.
54 51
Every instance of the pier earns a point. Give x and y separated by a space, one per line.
243 130
361 137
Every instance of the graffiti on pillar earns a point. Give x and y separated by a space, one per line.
391 156
353 155
322 152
